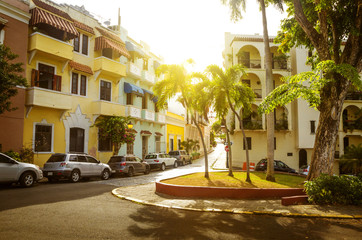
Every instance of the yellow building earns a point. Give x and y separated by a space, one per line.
175 131
76 70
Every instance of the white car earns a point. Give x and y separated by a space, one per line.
304 170
161 160
12 171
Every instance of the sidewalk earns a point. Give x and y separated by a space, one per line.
145 194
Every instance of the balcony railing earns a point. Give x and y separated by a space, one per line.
258 93
252 124
280 64
352 125
133 111
250 63
48 98
109 66
354 96
281 124
134 70
148 115
107 108
148 77
46 80
161 118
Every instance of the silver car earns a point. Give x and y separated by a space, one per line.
74 166
161 160
12 171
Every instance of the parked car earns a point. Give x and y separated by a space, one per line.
182 157
278 166
304 170
128 165
74 166
12 171
161 160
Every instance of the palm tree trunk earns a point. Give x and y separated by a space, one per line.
245 141
229 152
203 145
269 81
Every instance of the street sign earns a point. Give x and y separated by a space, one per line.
227 148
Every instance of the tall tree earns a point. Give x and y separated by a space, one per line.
193 97
331 28
9 78
236 15
231 92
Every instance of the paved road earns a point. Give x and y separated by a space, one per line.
87 210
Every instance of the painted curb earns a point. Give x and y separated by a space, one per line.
270 213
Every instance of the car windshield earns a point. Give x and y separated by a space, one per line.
150 156
57 158
115 159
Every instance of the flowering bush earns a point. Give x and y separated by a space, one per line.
129 136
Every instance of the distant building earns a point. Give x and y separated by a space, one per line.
295 123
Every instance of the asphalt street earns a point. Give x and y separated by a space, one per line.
88 210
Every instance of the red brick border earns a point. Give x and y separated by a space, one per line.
218 192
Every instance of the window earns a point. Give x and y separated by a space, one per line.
43 138
104 143
275 143
2 36
80 84
129 99
144 101
156 108
171 144
92 159
246 82
145 64
130 148
158 143
105 90
46 76
312 126
82 158
244 58
76 143
248 140
81 44
178 143
84 44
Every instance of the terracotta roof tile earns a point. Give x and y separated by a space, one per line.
80 67
145 132
110 35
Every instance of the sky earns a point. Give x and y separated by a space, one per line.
179 30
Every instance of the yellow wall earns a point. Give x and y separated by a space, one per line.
175 131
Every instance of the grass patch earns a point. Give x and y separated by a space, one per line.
221 179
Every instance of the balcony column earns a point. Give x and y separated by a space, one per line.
340 142
289 108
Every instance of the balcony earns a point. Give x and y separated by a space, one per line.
280 64
133 111
109 67
148 115
252 124
351 125
107 108
148 77
258 93
161 118
134 71
281 124
250 63
48 98
43 43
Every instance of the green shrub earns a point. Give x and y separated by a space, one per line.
195 155
24 155
13 154
327 189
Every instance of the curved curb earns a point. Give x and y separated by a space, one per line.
215 210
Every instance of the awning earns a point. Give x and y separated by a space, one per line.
145 132
103 42
152 96
158 134
80 67
155 99
130 88
84 27
40 16
132 48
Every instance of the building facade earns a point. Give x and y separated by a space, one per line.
295 123
79 70
14 18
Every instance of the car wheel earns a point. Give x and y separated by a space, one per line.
105 174
75 176
163 167
27 179
148 170
175 165
183 162
130 172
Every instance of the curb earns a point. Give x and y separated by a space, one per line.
215 210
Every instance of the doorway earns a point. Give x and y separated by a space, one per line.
144 146
76 141
303 158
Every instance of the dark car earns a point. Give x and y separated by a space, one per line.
182 157
278 166
128 165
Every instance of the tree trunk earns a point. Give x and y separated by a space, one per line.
269 84
229 152
327 131
244 138
203 145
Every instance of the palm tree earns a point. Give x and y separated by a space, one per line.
230 91
187 144
236 15
176 80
